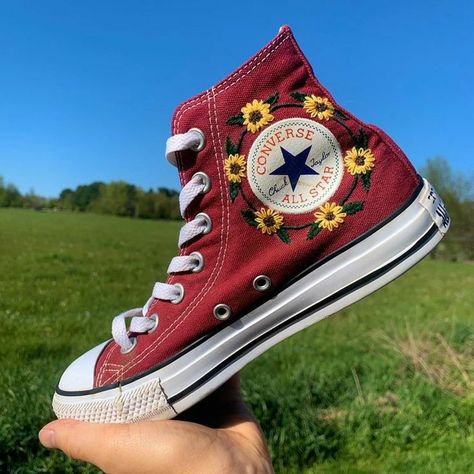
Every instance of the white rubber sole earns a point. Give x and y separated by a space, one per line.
360 269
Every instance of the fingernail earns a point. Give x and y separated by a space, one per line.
46 438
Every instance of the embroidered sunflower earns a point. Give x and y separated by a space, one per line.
359 161
268 220
319 107
234 167
329 216
256 115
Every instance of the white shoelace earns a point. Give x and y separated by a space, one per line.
140 323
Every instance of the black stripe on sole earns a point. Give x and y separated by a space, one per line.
298 317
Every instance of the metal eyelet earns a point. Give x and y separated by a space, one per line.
133 344
200 261
205 181
262 283
222 312
202 139
155 319
207 220
180 297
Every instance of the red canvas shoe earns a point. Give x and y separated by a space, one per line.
294 209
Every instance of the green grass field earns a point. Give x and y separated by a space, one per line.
384 386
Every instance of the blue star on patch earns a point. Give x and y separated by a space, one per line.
295 166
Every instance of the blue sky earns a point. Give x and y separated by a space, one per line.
87 88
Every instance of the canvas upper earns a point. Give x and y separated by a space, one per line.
294 177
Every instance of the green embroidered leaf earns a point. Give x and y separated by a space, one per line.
249 217
283 234
365 139
366 180
313 231
234 190
236 120
239 143
362 139
230 148
273 98
338 113
299 96
353 207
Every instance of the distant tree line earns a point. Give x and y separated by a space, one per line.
11 197
116 198
457 191
122 199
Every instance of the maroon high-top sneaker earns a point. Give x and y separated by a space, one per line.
294 209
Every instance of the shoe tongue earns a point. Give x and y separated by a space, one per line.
271 75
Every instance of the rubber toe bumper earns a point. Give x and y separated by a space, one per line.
79 376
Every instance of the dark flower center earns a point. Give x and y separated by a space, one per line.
269 221
321 107
360 160
255 116
235 168
330 216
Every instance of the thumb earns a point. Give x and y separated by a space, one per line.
99 444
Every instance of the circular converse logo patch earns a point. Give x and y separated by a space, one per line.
295 165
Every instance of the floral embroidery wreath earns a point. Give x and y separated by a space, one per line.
359 162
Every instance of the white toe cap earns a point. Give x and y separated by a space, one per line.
79 375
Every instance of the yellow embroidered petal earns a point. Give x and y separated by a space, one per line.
268 220
329 216
256 115
319 107
234 167
359 161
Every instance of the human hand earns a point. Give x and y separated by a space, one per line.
218 435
